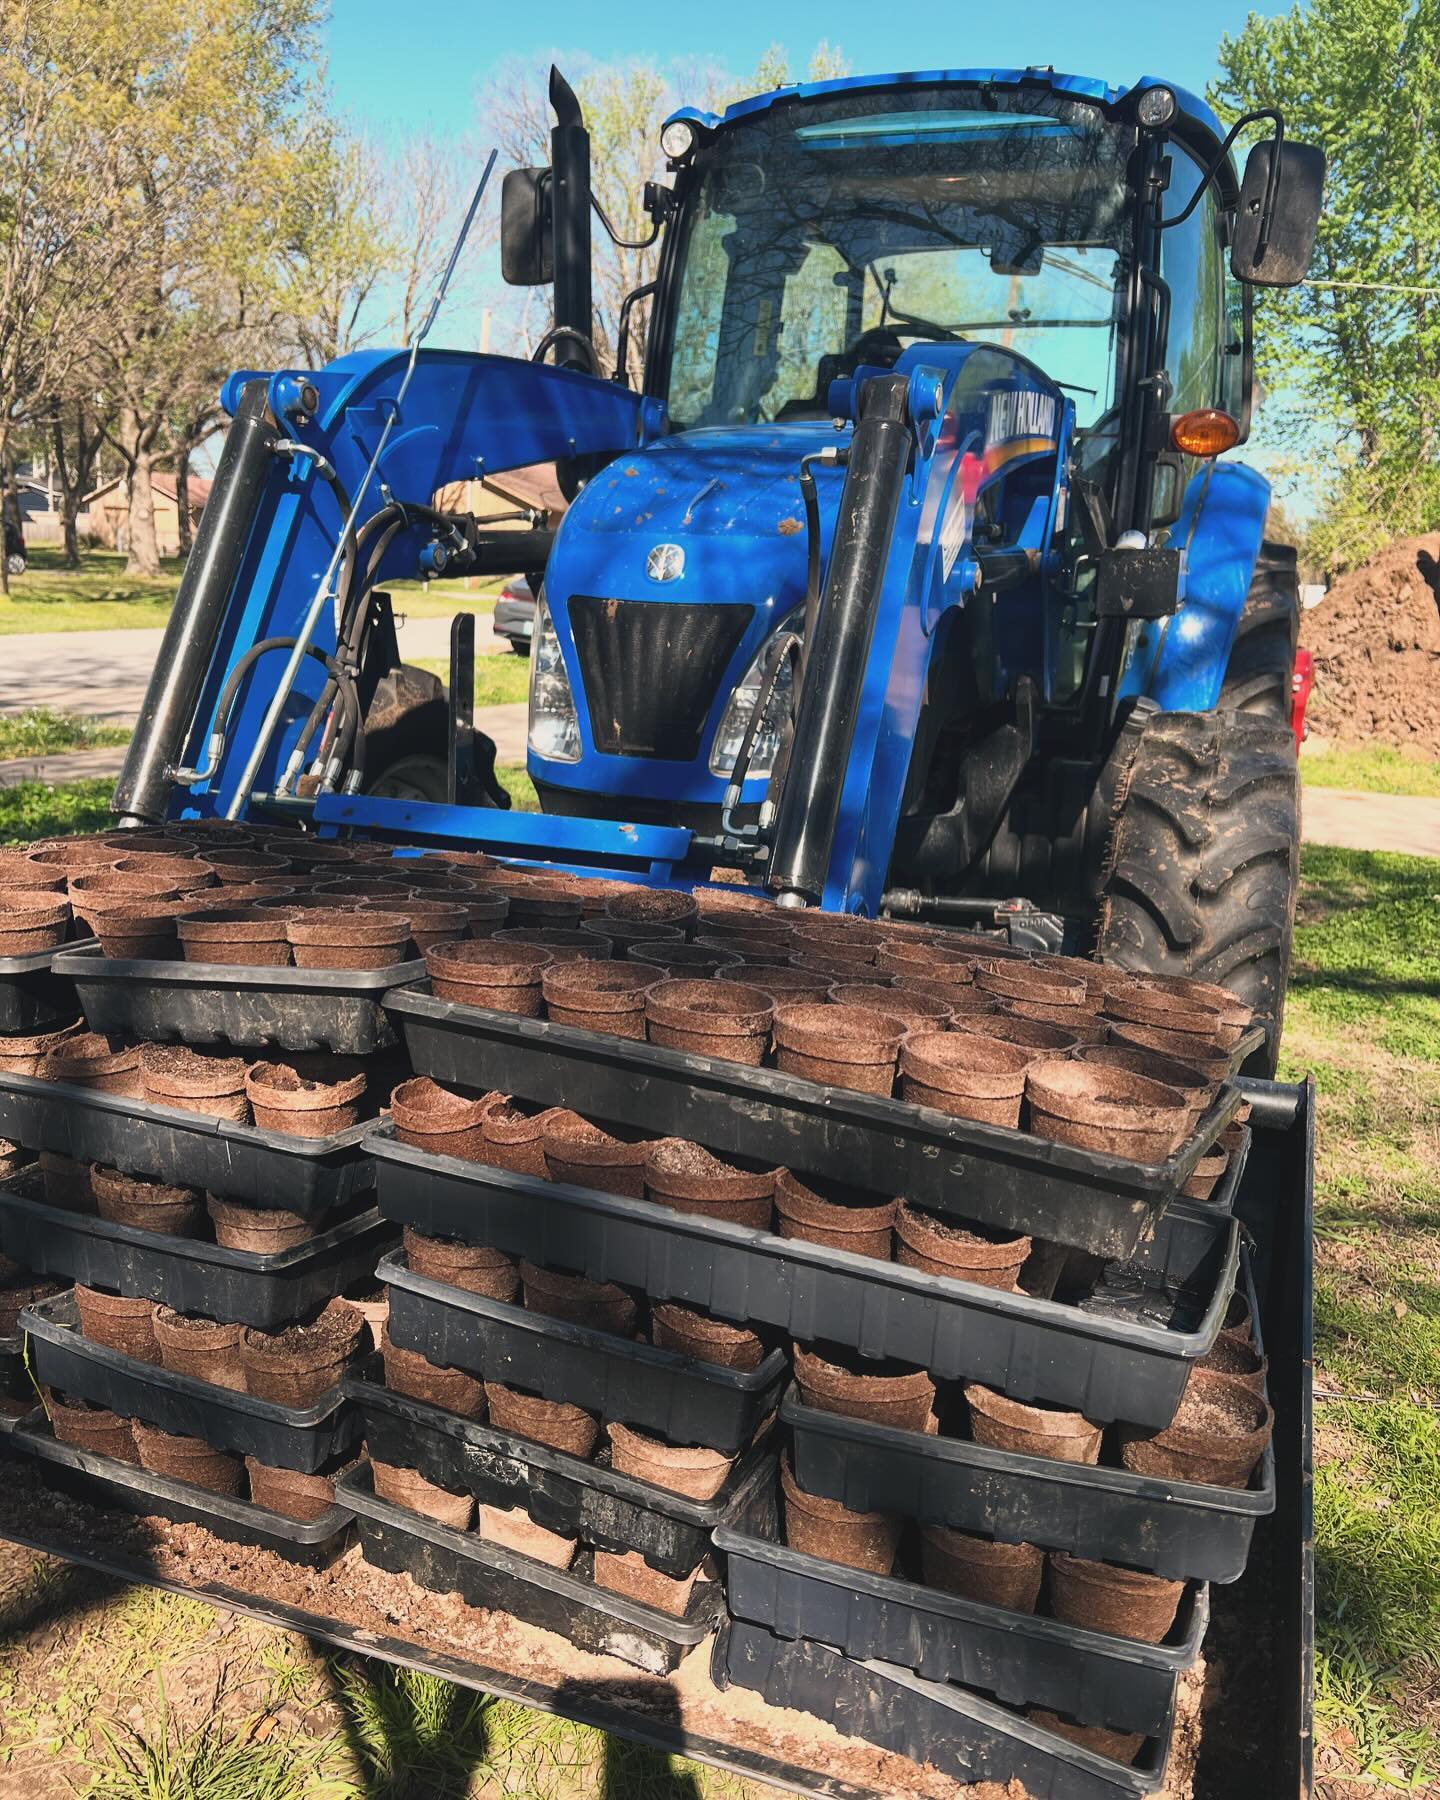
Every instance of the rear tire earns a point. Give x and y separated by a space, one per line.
1203 863
1262 658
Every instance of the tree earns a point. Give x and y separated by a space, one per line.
59 253
624 104
1352 357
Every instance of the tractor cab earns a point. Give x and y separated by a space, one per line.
1058 275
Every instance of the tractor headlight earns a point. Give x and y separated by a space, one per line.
554 725
741 705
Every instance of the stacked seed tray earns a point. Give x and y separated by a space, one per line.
211 1205
1026 1424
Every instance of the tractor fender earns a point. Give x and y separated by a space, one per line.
1179 661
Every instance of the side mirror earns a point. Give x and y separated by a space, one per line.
1278 214
527 234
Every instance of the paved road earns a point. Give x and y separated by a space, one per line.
103 674
1405 822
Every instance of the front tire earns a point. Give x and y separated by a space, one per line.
1203 864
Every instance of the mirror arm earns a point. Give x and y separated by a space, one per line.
614 236
1272 184
1247 358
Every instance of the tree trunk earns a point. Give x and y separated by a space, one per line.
4 500
182 499
143 550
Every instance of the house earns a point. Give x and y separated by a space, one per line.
493 497
105 516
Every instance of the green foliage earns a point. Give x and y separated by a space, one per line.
40 732
34 809
516 782
412 1734
1370 769
1362 79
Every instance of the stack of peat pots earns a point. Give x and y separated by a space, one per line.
1024 1421
189 1154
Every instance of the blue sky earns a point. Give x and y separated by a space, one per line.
422 66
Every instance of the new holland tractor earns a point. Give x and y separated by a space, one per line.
911 580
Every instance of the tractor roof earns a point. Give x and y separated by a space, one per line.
1195 124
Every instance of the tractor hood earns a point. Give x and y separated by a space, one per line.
671 569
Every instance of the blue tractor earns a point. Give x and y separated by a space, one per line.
909 581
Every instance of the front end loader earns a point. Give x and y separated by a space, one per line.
912 584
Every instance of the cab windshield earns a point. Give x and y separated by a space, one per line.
825 234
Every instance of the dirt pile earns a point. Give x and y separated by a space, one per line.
1376 642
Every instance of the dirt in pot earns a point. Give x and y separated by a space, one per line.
585 1154
313 1097
430 1117
189 1459
148 1205
261 1230
409 1488
20 1288
1102 1596
197 1081
553 1422
477 1268
454 1390
885 1393
687 1178
686 1469
512 1528
298 1364
824 1528
982 1569
705 1339
839 1046
1031 1430
830 1213
722 1018
288 1492
1217 1436
601 1305
925 1241
119 1322
206 1349
89 1427
629 1574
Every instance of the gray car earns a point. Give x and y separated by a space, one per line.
515 614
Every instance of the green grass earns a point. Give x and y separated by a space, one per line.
518 785
40 732
1365 1019
98 596
500 680
34 809
1370 769
1367 946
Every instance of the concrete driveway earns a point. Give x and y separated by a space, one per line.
103 674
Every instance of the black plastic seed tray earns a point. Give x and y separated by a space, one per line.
106 1481
286 1437
686 1401
566 1602
1127 1359
985 1173
193 1276
955 1731
1183 1530
567 1494
227 1003
1018 1658
33 997
242 1163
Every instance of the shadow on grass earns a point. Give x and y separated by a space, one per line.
411 1736
52 1593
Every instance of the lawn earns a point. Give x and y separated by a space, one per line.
40 732
1365 1017
500 680
98 596
1370 769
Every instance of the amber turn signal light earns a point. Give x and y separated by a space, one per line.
1208 432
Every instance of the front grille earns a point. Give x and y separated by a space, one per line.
650 669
